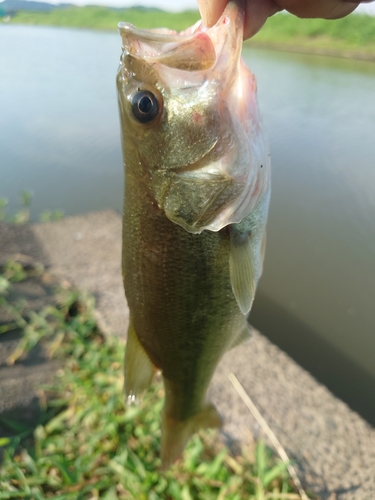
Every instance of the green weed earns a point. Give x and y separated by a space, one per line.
22 216
88 445
51 215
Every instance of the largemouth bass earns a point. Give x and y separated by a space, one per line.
197 184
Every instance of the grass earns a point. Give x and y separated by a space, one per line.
22 216
88 445
352 36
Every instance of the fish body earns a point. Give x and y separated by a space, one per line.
195 208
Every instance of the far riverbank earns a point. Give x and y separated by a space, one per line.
351 37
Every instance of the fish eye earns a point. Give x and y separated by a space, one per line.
145 106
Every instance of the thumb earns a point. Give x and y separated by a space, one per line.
211 10
256 13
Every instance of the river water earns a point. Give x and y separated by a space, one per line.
60 139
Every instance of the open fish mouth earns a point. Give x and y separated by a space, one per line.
195 49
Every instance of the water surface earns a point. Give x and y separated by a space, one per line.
60 138
59 120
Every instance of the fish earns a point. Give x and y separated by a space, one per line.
197 189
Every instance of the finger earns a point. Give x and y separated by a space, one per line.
326 9
211 10
257 13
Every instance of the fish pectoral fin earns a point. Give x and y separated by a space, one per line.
244 335
139 370
241 269
176 434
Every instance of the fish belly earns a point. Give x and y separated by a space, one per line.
181 304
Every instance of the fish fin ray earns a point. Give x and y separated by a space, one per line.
176 434
241 269
262 251
139 370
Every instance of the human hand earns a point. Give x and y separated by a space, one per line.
257 11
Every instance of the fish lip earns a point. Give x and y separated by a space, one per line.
152 35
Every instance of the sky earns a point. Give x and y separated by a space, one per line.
170 4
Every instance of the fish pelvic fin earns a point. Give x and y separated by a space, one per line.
176 434
139 370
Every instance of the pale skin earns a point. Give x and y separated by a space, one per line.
258 11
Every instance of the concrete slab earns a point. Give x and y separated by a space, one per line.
19 382
333 446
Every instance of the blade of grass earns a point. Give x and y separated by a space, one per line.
270 434
88 441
